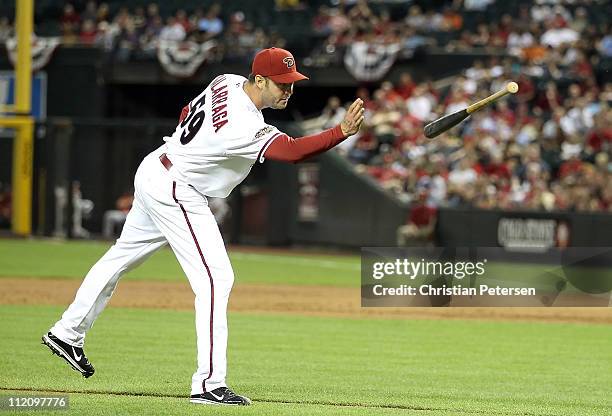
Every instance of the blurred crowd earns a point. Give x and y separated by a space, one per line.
546 148
348 22
462 25
135 32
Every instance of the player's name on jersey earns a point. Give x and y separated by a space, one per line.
219 97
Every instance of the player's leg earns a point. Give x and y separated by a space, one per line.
139 239
194 236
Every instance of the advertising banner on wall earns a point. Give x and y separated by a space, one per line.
7 96
532 234
308 193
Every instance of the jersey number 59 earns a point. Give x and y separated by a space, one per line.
193 122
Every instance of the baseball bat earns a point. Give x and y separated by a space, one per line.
451 120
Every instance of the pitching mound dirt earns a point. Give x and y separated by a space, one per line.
303 300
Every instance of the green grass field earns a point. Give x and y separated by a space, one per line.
41 259
298 365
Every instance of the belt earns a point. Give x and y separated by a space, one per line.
165 161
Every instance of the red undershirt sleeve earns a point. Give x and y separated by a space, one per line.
287 149
184 113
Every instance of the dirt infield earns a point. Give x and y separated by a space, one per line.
302 300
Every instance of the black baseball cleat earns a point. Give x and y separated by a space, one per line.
222 396
74 356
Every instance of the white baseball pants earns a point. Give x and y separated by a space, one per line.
165 211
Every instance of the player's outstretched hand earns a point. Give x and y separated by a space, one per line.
353 118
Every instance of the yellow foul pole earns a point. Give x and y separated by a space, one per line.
23 147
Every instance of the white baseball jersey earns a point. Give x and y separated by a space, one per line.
221 138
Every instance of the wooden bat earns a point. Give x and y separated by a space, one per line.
451 120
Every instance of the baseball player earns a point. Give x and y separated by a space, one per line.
221 134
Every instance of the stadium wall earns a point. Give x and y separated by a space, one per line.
322 201
493 228
351 210
336 207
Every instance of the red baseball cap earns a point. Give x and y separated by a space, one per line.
277 64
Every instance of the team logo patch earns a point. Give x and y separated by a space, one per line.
263 132
289 61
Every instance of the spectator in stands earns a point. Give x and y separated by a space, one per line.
127 40
289 5
362 151
580 21
456 100
604 46
113 220
81 210
183 20
451 20
420 224
415 18
518 41
462 43
6 30
103 13
332 113
527 89
69 21
531 159
549 99
420 103
386 167
321 22
152 13
405 86
106 35
150 37
384 121
433 21
88 33
339 22
558 34
70 25
276 40
211 24
362 17
599 138
91 11
239 35
463 174
173 31
482 36
140 20
476 5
